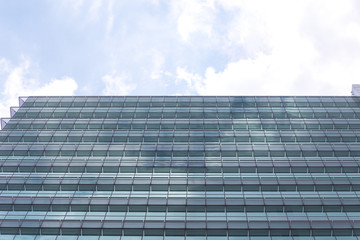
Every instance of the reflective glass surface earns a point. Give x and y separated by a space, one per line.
181 168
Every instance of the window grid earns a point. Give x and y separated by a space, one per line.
161 166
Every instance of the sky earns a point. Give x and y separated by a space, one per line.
177 47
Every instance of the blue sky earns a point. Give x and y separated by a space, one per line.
178 47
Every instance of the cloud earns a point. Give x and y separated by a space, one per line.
4 65
193 16
65 86
117 85
289 48
194 81
110 18
18 82
95 9
75 5
157 65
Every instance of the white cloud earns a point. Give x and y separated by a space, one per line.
193 81
110 17
94 9
4 66
75 5
19 83
157 65
291 48
117 85
194 16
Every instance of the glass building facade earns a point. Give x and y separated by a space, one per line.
181 168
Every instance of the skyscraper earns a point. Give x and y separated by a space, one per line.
181 167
